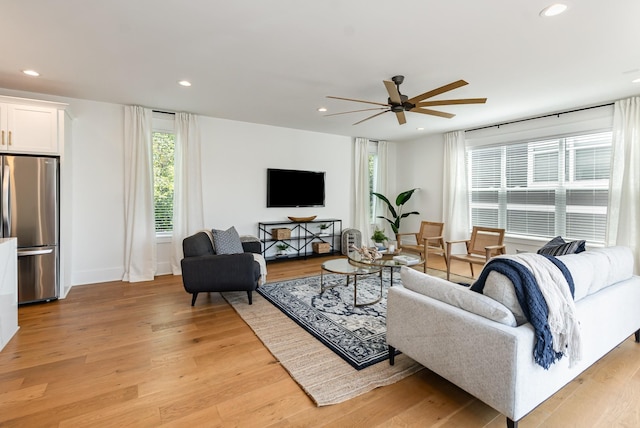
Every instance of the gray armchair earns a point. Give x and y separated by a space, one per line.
205 271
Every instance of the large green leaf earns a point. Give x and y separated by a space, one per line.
392 210
403 197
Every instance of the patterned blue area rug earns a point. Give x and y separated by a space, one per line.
357 334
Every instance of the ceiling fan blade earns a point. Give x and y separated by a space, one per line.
358 101
392 89
432 112
355 111
371 117
401 118
452 102
438 91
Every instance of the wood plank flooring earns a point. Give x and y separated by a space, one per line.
118 354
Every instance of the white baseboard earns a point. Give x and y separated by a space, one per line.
95 276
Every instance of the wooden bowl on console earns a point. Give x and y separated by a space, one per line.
302 219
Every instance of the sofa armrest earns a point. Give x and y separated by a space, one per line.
252 247
447 340
220 272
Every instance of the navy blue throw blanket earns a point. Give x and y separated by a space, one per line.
531 300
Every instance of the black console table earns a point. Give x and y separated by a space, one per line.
304 236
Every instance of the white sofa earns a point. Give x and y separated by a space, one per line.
477 343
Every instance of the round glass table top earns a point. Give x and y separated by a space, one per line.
344 267
387 260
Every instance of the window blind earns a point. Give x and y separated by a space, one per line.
543 188
163 180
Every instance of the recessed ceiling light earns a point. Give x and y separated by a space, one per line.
184 83
553 10
31 73
636 80
322 109
420 129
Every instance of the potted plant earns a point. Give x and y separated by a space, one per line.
282 249
379 238
323 228
396 212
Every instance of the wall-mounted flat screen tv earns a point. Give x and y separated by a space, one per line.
294 188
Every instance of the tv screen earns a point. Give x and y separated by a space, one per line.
294 188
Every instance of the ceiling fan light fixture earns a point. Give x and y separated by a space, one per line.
553 10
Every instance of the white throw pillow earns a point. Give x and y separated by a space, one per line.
456 295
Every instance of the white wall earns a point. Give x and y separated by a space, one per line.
419 164
235 156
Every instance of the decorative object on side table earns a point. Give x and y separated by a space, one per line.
321 247
281 233
282 249
396 212
379 238
367 254
324 228
302 219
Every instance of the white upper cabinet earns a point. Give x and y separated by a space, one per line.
30 127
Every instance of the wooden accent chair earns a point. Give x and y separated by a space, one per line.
485 242
429 240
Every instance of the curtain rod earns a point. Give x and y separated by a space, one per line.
165 112
538 117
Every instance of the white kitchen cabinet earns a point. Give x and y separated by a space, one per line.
8 290
28 126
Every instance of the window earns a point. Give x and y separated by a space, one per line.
555 186
163 171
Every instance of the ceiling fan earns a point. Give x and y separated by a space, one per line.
398 103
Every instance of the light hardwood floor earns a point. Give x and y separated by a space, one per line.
119 354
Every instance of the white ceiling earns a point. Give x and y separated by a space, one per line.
275 61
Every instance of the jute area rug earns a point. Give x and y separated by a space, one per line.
322 374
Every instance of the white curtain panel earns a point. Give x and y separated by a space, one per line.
623 221
382 186
188 217
455 199
140 234
361 194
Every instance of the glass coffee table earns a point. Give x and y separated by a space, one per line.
345 267
389 261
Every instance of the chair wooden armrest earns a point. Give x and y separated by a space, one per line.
458 241
400 235
491 248
431 238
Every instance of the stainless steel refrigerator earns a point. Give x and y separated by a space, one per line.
29 212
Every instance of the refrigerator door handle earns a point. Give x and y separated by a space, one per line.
4 204
34 252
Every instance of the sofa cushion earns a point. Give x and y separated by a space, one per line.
558 247
456 295
227 241
598 268
591 271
